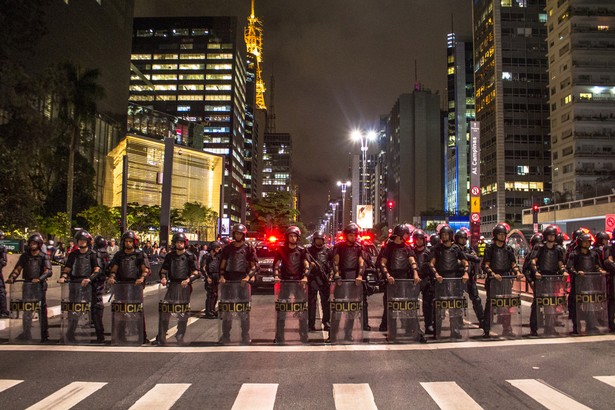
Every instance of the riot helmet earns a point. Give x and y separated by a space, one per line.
129 235
401 230
100 242
37 238
83 235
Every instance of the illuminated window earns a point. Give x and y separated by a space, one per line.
140 88
220 56
165 56
181 32
567 99
218 87
523 169
141 98
145 33
192 56
186 46
140 56
506 76
191 76
603 28
506 3
219 66
213 46
165 87
161 33
191 87
223 97
165 98
164 77
451 70
219 76
586 96
200 31
190 97
164 66
191 66
224 108
183 108
217 130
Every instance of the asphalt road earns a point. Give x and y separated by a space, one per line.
565 373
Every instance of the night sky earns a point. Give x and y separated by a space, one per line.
338 65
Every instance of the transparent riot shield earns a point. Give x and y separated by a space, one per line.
552 309
591 301
403 311
450 301
291 312
127 314
505 308
346 303
25 307
234 306
173 313
76 308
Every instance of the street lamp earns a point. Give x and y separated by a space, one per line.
344 186
334 223
363 138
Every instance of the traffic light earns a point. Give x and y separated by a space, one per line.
390 204
535 209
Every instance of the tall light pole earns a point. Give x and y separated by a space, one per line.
344 186
364 138
334 223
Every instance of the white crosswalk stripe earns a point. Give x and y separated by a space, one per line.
162 396
546 395
353 397
610 380
256 396
7 384
449 396
68 396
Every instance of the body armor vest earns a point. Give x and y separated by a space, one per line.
548 260
180 266
82 267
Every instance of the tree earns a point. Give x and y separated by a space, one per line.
101 220
57 226
273 211
78 91
199 217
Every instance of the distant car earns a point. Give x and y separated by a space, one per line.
264 277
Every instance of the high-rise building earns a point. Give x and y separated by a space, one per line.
252 141
277 163
510 69
581 40
194 67
380 173
460 96
414 155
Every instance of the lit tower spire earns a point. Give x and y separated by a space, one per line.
253 36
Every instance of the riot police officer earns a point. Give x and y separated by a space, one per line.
461 240
210 269
35 267
98 286
129 265
291 264
582 260
609 265
238 263
398 262
421 254
434 240
4 311
600 245
547 260
444 261
348 263
178 271
320 258
81 268
499 260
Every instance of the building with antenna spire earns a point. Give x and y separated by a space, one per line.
253 36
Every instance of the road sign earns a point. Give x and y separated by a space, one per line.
475 191
609 222
475 205
475 217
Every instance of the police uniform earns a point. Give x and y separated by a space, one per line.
348 268
501 261
427 287
471 288
98 290
586 262
210 268
550 261
4 311
318 283
82 265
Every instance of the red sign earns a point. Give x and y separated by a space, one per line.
475 217
609 222
475 191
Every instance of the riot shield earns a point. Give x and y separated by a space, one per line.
591 301
450 301
127 314
234 312
25 307
346 303
76 307
551 306
173 312
403 311
505 308
291 312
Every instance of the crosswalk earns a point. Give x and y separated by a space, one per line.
447 395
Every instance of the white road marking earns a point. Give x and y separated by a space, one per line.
610 380
162 396
6 384
256 396
449 396
353 397
309 348
546 395
68 396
